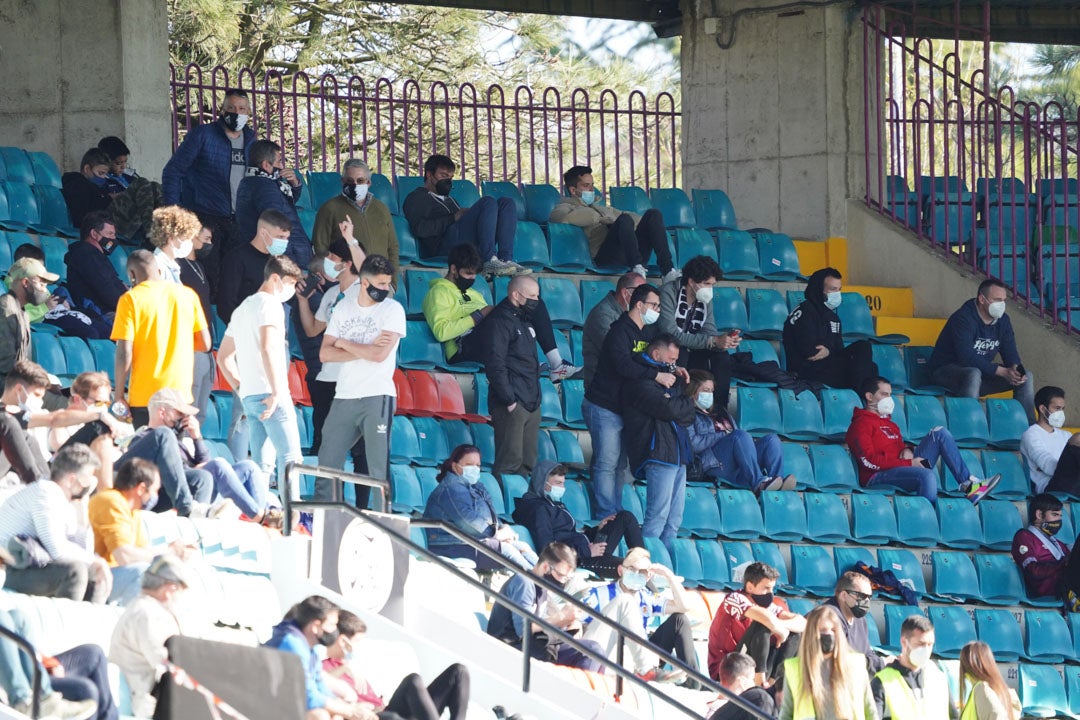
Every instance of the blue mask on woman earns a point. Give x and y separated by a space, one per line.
470 474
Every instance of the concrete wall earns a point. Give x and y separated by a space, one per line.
74 72
776 119
882 253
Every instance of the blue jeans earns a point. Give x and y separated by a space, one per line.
609 464
665 498
16 667
239 437
182 485
244 483
280 429
490 225
86 677
746 461
924 481
970 382
127 583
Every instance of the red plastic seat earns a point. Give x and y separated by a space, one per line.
451 401
297 385
404 405
425 393
219 379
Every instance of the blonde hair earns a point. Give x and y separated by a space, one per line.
172 222
634 555
841 690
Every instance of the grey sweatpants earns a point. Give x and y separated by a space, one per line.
348 421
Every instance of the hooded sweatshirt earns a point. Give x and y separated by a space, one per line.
289 637
548 521
875 443
811 324
969 342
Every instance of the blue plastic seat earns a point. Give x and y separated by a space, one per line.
211 425
514 486
433 446
307 220
495 490
1007 421
457 433
895 615
784 515
1042 691
738 255
501 189
999 580
45 169
953 628
802 416
539 201
569 248
550 404
826 518
916 523
1000 521
688 562
738 556
54 211
1047 637
966 420
658 552
833 469
766 313
917 359
23 210
1072 684
758 411
715 574
847 557
484 439
1014 479
465 194
836 408
796 462
958 522
890 364
905 565
692 242
873 521
567 449
858 324
923 415
563 302
593 291
545 448
417 283
46 351
419 350
383 190
530 246
77 355
675 207
740 514
629 199
1000 630
769 553
408 248
777 257
632 501
322 186
950 484
760 351
701 517
405 489
729 310
713 209
953 576
17 164
812 569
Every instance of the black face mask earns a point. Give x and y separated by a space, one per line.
107 245
328 638
464 283
1051 528
230 119
442 187
529 307
860 609
377 294
828 643
204 252
81 494
762 600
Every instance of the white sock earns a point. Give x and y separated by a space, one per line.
554 358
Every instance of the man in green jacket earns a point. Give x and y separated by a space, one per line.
455 311
369 216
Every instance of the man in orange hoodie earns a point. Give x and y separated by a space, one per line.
884 458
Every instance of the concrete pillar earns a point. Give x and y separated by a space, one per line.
77 71
776 119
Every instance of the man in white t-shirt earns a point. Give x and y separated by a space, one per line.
1052 454
363 336
253 358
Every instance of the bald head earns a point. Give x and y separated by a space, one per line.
522 289
142 266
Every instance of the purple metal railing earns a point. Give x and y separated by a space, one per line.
492 134
944 153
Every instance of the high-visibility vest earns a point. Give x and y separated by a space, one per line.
900 699
804 702
968 712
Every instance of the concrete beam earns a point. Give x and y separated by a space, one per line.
1056 23
651 11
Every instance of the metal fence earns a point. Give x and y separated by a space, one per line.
971 168
521 135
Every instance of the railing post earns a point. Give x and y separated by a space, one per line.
620 653
526 657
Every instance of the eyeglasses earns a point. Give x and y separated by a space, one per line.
858 595
653 305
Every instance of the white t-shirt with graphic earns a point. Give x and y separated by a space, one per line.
365 378
330 300
255 312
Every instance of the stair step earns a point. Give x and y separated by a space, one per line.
922 331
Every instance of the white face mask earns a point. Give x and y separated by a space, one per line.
885 406
704 295
1056 419
285 293
996 309
833 300
33 404
650 316
920 655
184 248
241 121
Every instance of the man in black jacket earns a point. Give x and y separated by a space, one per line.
813 341
91 275
513 374
269 185
655 422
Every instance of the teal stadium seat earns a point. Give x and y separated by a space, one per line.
688 562
766 314
833 469
836 409
573 392
1047 637
45 169
758 411
514 486
46 351
826 518
812 569
999 580
545 448
738 255
1007 421
894 619
729 310
1014 479
784 516
629 199
495 490
322 186
480 392
999 629
307 220
923 415
794 299
457 433
899 415
953 576
777 257
17 163
5 246
802 416
1072 683
740 514
713 210
917 358
769 553
539 201
958 523
569 248
419 350
967 422
530 246
701 517
738 556
675 207
658 552
872 519
715 574
796 462
23 211
54 211
692 242
383 190
405 184
465 193
1000 521
905 565
417 283
1042 691
632 502
483 287
432 441
760 351
211 425
408 249
503 189
405 490
953 628
593 291
563 302
916 523
858 324
550 404
77 355
890 364
567 450
847 557
577 502
400 292
426 476
404 445
949 484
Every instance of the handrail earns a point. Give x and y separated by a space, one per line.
294 468
35 679
622 633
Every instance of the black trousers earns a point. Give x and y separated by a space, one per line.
623 526
1066 477
626 246
675 636
471 347
224 239
768 658
23 456
843 369
413 701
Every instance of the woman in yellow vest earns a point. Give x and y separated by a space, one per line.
986 695
827 681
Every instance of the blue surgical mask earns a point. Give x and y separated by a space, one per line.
100 181
329 268
705 400
634 580
588 196
278 246
833 300
556 492
470 473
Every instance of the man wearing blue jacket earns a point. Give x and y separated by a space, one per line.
963 358
269 185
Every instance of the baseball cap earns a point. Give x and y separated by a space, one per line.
170 397
169 568
30 268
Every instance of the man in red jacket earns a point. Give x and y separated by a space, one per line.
1041 557
885 459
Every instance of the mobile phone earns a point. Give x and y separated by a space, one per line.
601 537
1020 369
735 332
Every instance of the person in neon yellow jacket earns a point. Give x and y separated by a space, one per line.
827 680
912 687
981 686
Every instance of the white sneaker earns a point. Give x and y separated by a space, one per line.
224 509
564 372
199 509
55 706
640 270
495 266
672 274
520 269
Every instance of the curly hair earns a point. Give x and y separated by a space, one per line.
171 222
